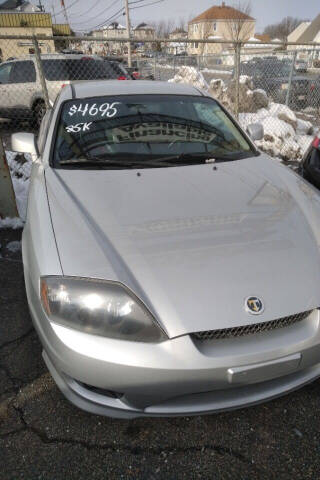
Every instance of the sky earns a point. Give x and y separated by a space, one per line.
89 14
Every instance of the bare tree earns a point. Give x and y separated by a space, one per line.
206 33
239 26
282 29
163 28
182 24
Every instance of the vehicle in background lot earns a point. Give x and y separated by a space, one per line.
136 72
118 67
72 52
171 268
310 165
272 75
301 66
20 88
133 70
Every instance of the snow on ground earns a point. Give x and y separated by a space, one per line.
20 169
285 136
190 75
11 223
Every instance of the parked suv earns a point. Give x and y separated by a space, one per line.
21 95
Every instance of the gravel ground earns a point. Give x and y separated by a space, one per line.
42 436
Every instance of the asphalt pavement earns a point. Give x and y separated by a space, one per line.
42 436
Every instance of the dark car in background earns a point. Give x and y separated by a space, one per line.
310 165
273 76
117 65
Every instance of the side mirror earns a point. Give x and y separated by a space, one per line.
255 131
23 142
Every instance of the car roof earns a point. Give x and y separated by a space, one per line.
56 56
130 87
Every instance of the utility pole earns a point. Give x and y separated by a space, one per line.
128 32
65 12
54 14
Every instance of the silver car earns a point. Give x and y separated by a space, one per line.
20 86
171 268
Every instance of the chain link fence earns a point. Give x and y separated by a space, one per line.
267 84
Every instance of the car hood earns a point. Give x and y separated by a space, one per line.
194 242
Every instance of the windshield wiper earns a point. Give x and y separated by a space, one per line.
116 163
211 156
158 162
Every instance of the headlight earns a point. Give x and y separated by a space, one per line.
98 307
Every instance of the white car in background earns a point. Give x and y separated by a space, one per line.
21 92
170 267
301 66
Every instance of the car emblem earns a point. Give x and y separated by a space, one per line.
254 305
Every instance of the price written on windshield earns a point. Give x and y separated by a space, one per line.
104 110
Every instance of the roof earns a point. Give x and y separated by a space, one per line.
222 12
311 32
25 20
114 26
263 38
17 5
61 29
11 4
297 32
143 87
55 56
143 26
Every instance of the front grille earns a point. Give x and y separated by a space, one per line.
251 329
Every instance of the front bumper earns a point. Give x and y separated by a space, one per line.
193 404
180 376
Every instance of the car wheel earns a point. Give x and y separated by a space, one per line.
39 111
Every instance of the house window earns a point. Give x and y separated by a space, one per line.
196 45
214 27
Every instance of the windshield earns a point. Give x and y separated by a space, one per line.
78 69
124 131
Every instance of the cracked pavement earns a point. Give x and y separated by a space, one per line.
42 436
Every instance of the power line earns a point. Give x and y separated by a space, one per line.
137 1
67 8
99 14
146 5
85 13
113 17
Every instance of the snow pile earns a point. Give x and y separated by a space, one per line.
20 169
11 223
285 136
190 75
250 99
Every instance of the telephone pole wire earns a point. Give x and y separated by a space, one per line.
65 12
128 32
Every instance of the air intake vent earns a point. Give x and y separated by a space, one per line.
251 329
